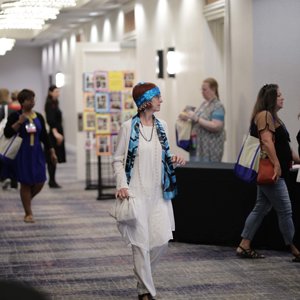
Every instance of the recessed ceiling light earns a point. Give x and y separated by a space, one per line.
94 14
83 20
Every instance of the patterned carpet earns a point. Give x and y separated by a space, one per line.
74 251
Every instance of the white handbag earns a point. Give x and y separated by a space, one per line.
124 211
9 147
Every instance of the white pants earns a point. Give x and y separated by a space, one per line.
144 264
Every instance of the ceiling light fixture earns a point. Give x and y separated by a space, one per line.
30 14
6 45
94 14
21 24
47 3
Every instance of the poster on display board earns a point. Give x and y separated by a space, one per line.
107 103
101 81
88 82
89 123
101 102
128 78
128 103
88 101
115 100
102 123
103 146
115 79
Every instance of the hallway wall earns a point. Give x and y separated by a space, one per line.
276 46
239 73
179 24
21 68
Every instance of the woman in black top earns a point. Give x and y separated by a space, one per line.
30 165
275 139
56 133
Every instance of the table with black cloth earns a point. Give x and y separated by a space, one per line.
212 205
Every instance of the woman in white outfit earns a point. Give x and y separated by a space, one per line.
143 165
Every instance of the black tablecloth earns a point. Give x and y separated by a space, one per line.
212 206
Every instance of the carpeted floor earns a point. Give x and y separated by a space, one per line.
74 251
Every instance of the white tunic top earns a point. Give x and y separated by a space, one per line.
155 215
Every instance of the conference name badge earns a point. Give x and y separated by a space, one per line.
30 128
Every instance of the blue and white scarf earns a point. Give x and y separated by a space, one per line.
168 174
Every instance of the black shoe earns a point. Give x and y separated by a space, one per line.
54 185
147 296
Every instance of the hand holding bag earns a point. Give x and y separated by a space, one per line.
9 147
124 211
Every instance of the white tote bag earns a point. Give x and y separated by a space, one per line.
183 134
247 164
9 147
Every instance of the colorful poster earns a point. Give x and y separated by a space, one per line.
128 102
88 101
88 82
107 103
103 144
102 123
115 79
101 102
115 100
101 81
128 79
115 122
89 121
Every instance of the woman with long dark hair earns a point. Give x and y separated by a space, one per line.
275 139
54 119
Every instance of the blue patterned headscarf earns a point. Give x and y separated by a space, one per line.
147 95
168 179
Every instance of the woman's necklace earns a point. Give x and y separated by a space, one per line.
143 134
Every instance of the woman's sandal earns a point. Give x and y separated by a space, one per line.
29 219
146 297
249 253
296 258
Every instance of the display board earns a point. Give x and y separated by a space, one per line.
107 103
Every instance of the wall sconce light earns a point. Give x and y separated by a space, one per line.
160 63
59 79
171 62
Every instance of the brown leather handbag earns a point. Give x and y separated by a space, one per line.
266 167
265 172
